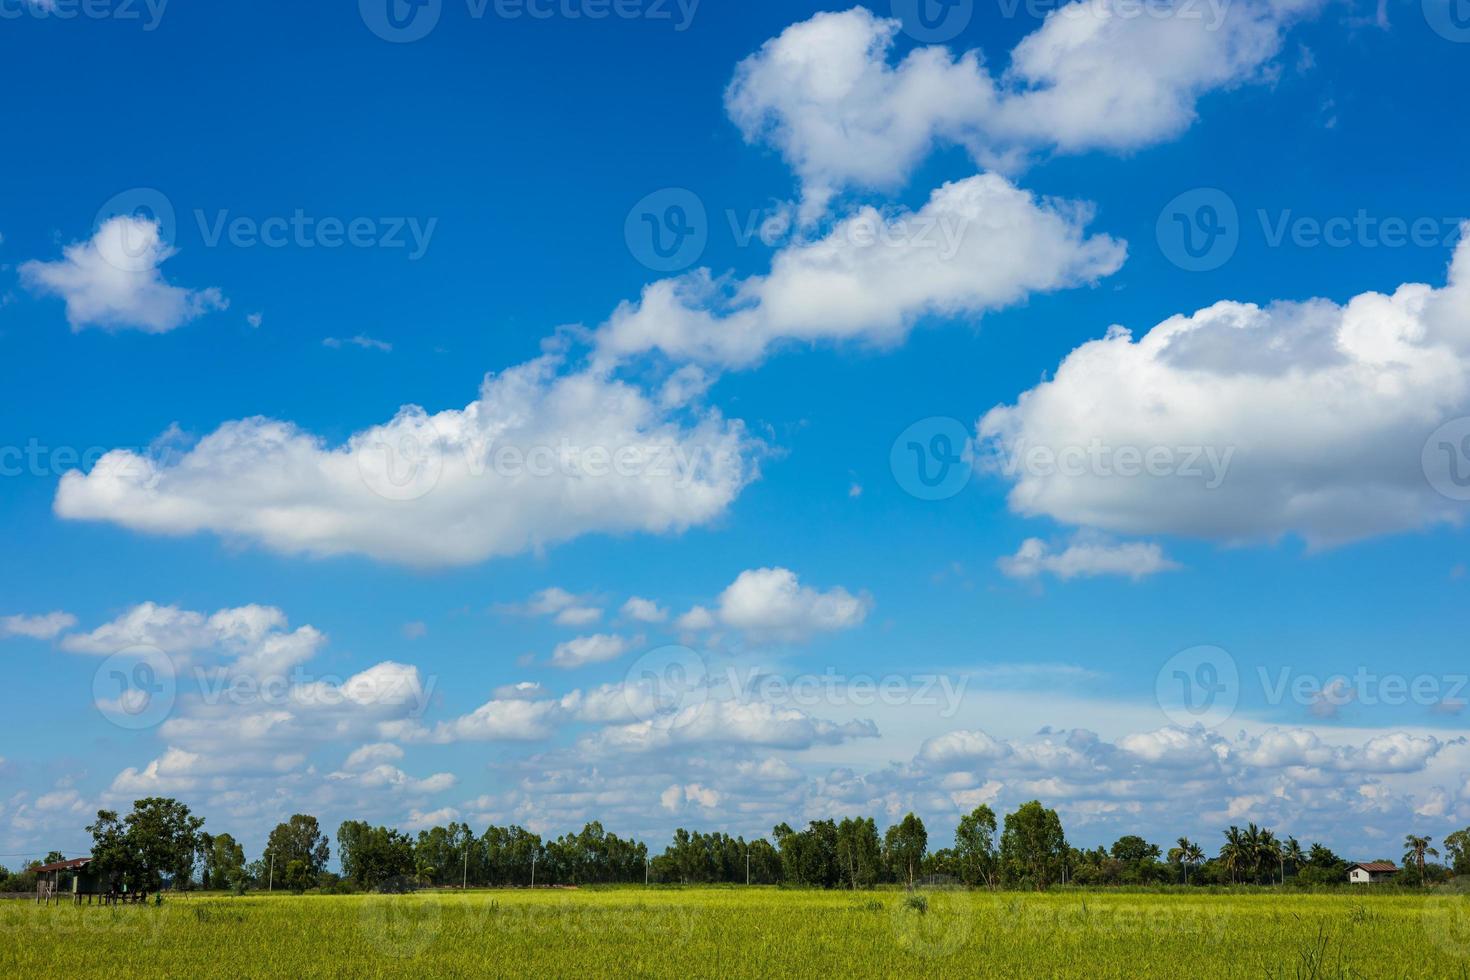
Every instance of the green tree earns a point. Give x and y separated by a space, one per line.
159 838
904 845
974 846
1235 853
224 862
1415 850
298 876
1186 853
375 857
1033 847
1291 853
858 852
1457 849
298 839
1322 868
1132 849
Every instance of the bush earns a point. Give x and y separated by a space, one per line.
919 903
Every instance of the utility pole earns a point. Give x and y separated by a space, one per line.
270 882
646 863
465 881
747 864
533 869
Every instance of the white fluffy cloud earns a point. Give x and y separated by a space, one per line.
1096 74
729 722
46 626
1086 556
1242 422
594 648
567 609
538 459
255 638
771 603
978 245
372 754
113 281
1293 776
644 610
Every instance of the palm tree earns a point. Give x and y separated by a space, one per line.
1184 853
1233 853
1269 849
1195 854
1292 852
424 871
1254 850
1417 847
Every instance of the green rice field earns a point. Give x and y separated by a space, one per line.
748 932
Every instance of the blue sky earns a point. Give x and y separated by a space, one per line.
502 172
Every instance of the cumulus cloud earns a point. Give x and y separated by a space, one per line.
391 777
113 281
372 754
644 610
539 458
591 649
730 722
772 603
46 626
1086 557
673 798
222 747
978 245
256 639
1242 423
1276 772
567 609
509 719
827 95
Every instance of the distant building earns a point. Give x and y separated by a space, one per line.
1371 872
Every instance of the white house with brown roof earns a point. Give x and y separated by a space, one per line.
1371 872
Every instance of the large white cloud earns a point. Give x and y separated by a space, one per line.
978 245
1242 422
1096 74
539 458
113 280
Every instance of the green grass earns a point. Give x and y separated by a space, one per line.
739 932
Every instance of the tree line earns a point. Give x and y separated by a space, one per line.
161 843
